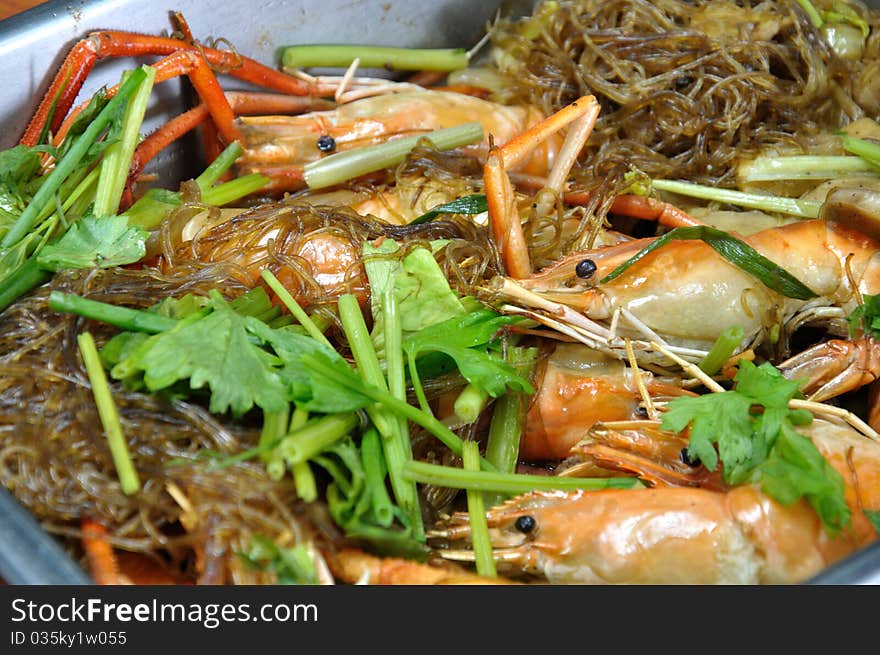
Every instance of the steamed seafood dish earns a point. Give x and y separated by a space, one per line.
592 302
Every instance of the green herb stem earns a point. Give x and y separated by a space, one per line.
316 435
398 448
69 162
116 162
219 166
811 12
294 307
470 403
349 164
342 56
303 476
274 429
128 477
353 382
507 483
805 167
374 475
765 202
26 277
233 190
722 350
480 540
866 150
125 318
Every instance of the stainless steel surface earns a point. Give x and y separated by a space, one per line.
32 45
28 555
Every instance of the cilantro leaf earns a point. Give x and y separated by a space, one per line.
293 565
91 241
753 431
465 339
216 351
309 390
866 317
795 468
18 165
719 417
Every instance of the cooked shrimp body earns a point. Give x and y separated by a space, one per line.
687 293
678 535
578 388
276 143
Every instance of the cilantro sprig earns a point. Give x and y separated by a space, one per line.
866 317
755 435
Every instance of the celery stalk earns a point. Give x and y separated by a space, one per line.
128 477
116 161
482 544
342 56
343 166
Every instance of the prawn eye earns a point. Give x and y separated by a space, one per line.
585 268
326 143
525 524
687 459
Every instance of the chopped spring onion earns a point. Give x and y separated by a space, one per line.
342 166
721 350
765 202
477 512
737 252
128 477
507 483
342 56
805 167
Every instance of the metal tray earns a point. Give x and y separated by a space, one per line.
33 44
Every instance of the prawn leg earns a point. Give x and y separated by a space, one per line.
357 567
86 53
506 225
834 367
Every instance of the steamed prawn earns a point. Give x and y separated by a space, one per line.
672 535
688 294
